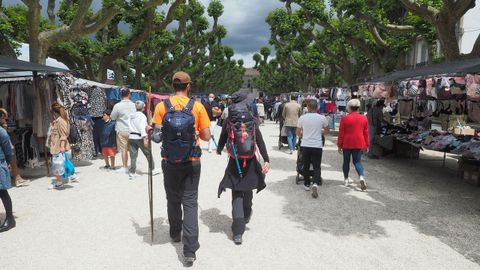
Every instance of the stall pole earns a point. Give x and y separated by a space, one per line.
444 157
47 163
149 100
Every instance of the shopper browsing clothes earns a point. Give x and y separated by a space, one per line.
121 114
244 173
58 143
15 172
183 122
108 141
6 155
213 110
312 127
138 139
375 120
353 141
290 113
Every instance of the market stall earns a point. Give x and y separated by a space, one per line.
435 107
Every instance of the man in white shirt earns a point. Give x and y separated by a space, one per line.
121 113
311 126
138 139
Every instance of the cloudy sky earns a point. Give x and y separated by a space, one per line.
244 20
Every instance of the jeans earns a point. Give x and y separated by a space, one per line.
371 133
134 145
356 154
181 186
291 137
312 156
241 209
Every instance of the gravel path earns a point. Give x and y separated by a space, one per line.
416 215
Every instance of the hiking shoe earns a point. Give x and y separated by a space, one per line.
363 184
247 219
237 239
189 260
307 188
176 238
315 191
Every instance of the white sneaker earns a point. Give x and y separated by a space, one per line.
131 176
74 178
157 171
55 186
121 170
307 188
347 182
363 183
315 191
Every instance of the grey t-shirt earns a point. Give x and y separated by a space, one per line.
121 113
312 125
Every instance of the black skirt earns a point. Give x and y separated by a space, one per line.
252 176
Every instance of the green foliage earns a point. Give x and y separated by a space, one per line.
215 9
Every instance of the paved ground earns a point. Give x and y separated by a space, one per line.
416 215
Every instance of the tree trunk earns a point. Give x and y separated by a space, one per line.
446 29
118 74
38 48
138 74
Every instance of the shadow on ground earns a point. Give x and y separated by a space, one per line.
161 235
216 222
430 198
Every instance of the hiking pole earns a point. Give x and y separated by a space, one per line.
214 141
150 182
236 160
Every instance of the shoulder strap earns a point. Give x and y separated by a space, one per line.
168 105
189 106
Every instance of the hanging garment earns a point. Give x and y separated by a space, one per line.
97 100
85 149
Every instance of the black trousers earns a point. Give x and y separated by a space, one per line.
181 186
7 203
98 125
312 156
241 209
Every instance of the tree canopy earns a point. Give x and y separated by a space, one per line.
142 43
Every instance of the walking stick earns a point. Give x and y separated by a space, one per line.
150 183
236 160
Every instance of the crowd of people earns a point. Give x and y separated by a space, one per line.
179 123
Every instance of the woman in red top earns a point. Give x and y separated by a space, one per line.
353 141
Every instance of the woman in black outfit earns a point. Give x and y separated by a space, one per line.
253 177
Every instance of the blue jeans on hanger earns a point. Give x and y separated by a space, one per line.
356 154
291 137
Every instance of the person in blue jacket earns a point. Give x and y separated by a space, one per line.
6 154
108 141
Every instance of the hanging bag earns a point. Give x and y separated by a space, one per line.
69 168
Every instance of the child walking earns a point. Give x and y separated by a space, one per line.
108 141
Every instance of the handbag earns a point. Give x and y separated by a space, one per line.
69 168
439 107
58 164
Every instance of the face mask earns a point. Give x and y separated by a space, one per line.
210 99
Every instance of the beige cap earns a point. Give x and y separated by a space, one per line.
181 77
